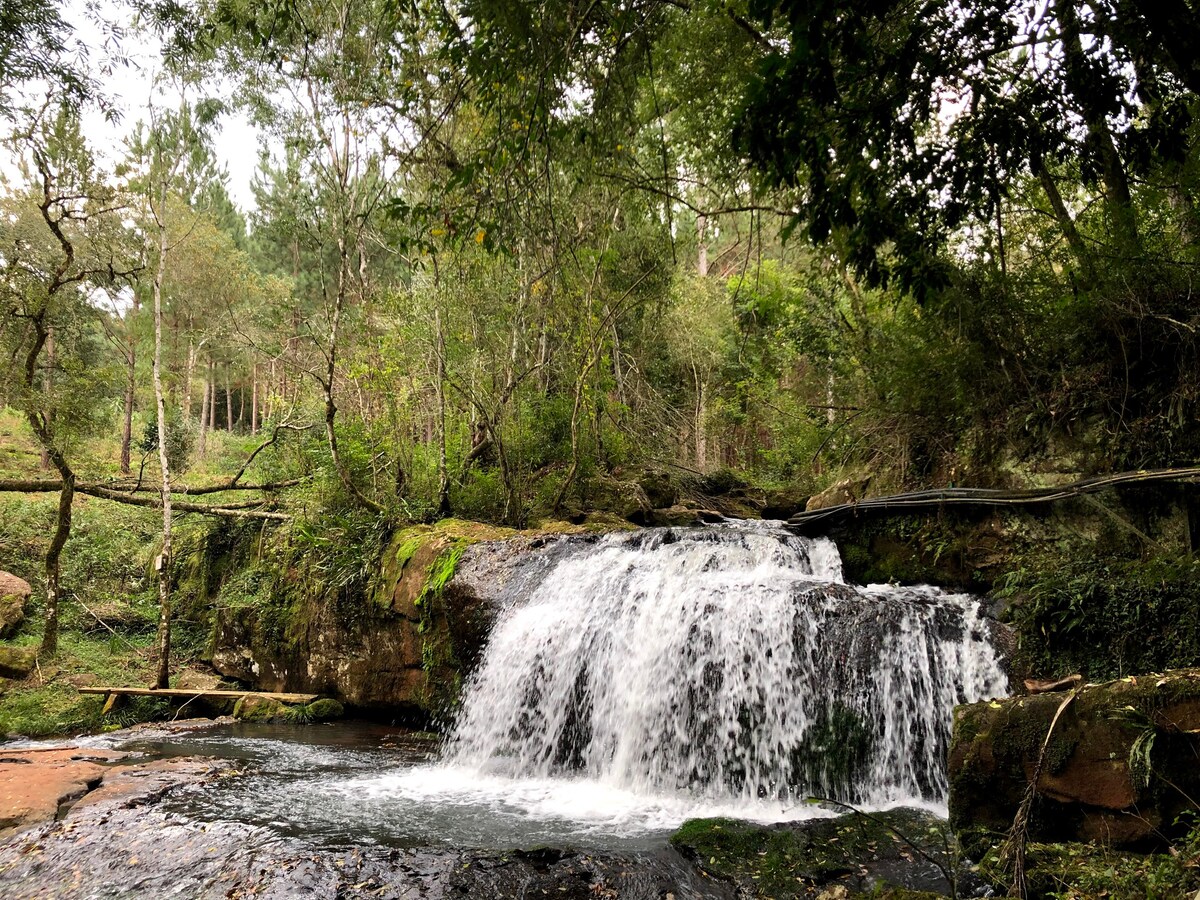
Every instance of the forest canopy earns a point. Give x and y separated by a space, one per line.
501 259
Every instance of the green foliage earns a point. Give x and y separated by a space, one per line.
1079 610
179 442
1084 871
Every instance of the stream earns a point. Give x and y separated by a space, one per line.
641 680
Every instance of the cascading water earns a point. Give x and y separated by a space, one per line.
636 680
731 664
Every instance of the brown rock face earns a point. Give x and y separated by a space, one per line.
850 490
14 594
1118 766
406 647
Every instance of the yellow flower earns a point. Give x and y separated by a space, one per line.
479 236
438 232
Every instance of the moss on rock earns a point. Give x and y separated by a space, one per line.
853 853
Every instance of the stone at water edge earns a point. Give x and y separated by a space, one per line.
14 594
259 709
1086 790
17 662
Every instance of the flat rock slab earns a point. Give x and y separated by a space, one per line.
118 841
37 785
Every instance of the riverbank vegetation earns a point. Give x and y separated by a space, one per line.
600 263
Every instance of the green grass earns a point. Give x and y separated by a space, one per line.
48 704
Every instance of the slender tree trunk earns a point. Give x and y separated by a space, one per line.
327 385
212 400
188 376
228 403
1066 224
204 401
443 475
127 411
47 391
702 245
254 399
162 676
701 415
1118 198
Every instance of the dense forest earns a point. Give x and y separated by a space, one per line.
503 259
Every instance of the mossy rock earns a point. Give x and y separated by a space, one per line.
855 852
259 709
324 710
1088 788
17 662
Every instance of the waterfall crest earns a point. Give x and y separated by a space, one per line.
730 662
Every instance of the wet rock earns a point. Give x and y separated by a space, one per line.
890 854
784 503
36 785
17 662
1094 785
324 710
119 840
679 516
14 594
408 646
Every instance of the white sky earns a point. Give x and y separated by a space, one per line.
131 88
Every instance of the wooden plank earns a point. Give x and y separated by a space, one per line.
184 692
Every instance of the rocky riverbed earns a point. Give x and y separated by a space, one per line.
93 819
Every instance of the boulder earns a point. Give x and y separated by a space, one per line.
259 709
14 594
17 662
407 646
849 490
1117 769
660 489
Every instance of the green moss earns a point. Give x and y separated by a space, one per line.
324 710
1082 871
787 861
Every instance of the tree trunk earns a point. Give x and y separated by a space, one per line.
162 676
47 391
212 400
702 246
701 415
204 403
127 411
228 404
1118 198
1066 224
254 399
443 476
62 530
188 374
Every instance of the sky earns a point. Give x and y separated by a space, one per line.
131 87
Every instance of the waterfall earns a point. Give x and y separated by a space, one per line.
730 663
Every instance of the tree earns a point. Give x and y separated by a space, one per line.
79 243
904 123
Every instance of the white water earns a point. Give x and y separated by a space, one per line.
675 672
